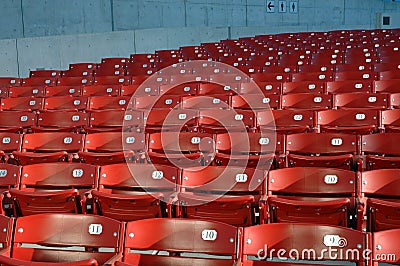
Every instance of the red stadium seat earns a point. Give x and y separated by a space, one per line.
357 121
309 101
394 100
75 81
10 82
113 147
380 199
261 243
61 120
285 121
139 90
181 149
107 103
355 75
9 142
388 75
384 244
112 80
53 238
321 150
391 120
312 195
33 91
303 87
360 100
129 192
255 101
45 73
312 76
115 120
386 86
226 120
248 149
39 81
381 150
53 188
154 102
266 87
225 194
171 120
215 242
10 178
17 121
48 147
66 103
6 235
206 102
21 104
63 91
221 89
101 90
347 86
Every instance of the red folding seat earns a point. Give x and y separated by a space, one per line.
115 120
136 69
129 192
257 87
274 244
80 70
53 188
249 69
285 121
228 78
278 69
355 75
211 243
312 76
381 67
10 82
309 101
312 195
142 57
61 120
353 67
303 87
66 240
354 121
347 86
171 120
381 150
45 73
139 90
112 80
66 103
107 102
10 178
185 89
113 147
9 142
6 235
83 66
21 104
219 89
386 86
63 91
206 102
271 77
156 102
329 68
388 75
101 90
360 100
33 91
17 121
224 194
380 199
394 100
181 149
75 81
385 251
327 58
109 70
226 120
39 81
248 149
115 62
255 101
48 147
334 150
391 120
297 59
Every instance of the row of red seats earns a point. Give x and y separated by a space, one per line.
264 150
261 85
103 241
241 196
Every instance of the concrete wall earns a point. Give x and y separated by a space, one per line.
35 18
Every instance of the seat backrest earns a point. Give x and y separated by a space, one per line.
107 102
307 101
380 144
390 117
222 179
192 237
10 142
21 104
347 86
384 247
358 117
248 143
116 118
62 118
282 118
23 119
360 100
115 141
181 142
134 177
303 242
321 143
174 117
59 176
381 183
241 119
87 236
66 103
53 141
312 181
6 234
